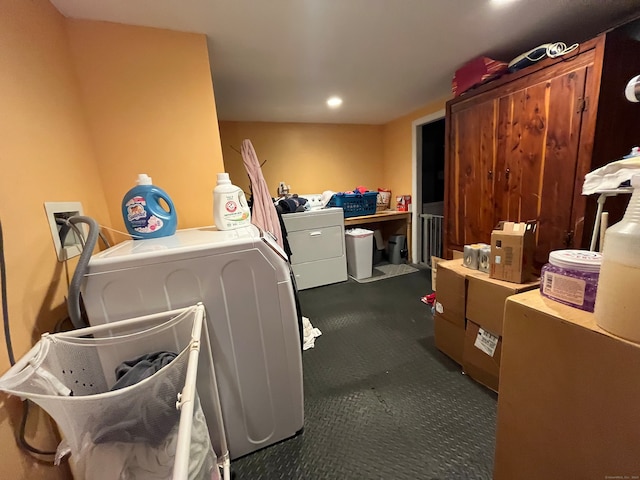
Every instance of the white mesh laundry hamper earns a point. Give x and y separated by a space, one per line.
152 429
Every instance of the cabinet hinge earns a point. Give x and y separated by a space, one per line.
583 104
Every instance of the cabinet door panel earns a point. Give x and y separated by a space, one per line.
471 212
538 137
561 157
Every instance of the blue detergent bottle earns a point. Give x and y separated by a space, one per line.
144 216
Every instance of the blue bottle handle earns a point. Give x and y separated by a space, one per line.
157 194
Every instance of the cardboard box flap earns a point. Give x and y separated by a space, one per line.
515 228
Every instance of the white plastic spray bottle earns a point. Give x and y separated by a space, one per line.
616 302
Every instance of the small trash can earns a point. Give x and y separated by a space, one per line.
397 249
378 248
359 246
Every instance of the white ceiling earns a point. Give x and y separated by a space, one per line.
279 60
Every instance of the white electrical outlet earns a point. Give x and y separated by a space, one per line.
66 241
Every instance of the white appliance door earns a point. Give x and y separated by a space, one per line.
252 323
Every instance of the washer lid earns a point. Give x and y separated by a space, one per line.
189 243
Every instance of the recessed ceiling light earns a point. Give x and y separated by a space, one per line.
500 3
334 102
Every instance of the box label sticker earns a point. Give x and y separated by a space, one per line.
497 260
568 289
439 307
487 342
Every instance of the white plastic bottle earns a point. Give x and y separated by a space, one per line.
230 208
616 307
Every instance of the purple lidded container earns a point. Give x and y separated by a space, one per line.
571 277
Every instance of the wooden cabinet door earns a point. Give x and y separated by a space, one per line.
538 134
472 153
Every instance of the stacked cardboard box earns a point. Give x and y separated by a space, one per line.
486 298
568 396
450 318
434 271
469 316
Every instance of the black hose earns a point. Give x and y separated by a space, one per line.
104 239
22 439
7 337
65 227
5 313
73 302
78 233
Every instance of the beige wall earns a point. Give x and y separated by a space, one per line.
317 157
150 109
309 157
397 147
86 106
46 155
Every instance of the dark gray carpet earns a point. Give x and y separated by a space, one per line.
381 402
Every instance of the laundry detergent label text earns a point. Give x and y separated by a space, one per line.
140 218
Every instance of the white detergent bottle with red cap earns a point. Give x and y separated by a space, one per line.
230 208
144 215
616 306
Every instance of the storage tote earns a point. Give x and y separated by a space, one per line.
70 375
355 204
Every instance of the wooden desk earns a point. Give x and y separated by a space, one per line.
398 223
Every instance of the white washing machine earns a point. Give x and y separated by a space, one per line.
244 282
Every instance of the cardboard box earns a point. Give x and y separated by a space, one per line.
568 404
486 297
449 337
457 254
452 291
481 355
434 270
512 247
451 298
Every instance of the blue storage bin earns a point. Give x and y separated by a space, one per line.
355 204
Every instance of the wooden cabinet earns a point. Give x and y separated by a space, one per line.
471 166
518 149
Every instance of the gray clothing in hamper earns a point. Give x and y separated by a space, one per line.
136 370
149 424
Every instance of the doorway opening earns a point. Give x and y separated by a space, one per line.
428 176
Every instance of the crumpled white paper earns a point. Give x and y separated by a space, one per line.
310 334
